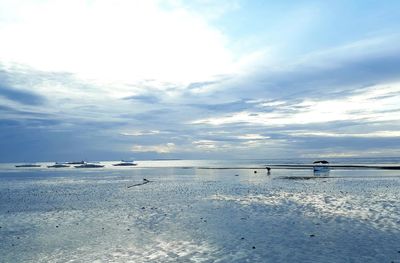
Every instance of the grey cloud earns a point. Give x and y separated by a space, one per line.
234 106
196 85
21 96
152 115
24 144
348 143
5 110
327 75
95 130
144 98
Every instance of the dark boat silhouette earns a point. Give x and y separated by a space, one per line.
125 163
76 162
28 165
89 165
58 165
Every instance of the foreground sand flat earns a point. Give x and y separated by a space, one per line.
199 215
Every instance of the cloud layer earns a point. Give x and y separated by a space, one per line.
177 79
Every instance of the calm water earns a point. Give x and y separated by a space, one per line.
251 163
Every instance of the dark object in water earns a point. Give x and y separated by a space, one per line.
58 165
89 165
125 163
79 162
145 181
303 177
28 165
321 161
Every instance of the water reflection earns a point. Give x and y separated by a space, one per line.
322 173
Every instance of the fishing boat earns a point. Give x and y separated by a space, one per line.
58 165
125 163
89 165
27 165
76 162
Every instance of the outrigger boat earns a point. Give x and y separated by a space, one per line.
76 162
27 165
58 165
89 165
125 163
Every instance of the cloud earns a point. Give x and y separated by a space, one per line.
379 134
252 136
323 73
198 85
16 114
163 78
143 98
223 107
128 40
20 95
362 105
364 146
369 116
141 133
162 148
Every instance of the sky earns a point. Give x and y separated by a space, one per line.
200 79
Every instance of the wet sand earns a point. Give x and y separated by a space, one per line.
199 215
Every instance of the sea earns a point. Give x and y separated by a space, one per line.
200 211
229 163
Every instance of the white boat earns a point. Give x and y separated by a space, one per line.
125 163
89 165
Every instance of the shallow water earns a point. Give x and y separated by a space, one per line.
198 215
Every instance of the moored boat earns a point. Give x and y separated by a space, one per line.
58 165
27 165
125 163
76 162
89 165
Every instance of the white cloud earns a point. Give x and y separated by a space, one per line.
221 146
115 41
381 134
161 148
252 136
377 103
206 145
141 133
